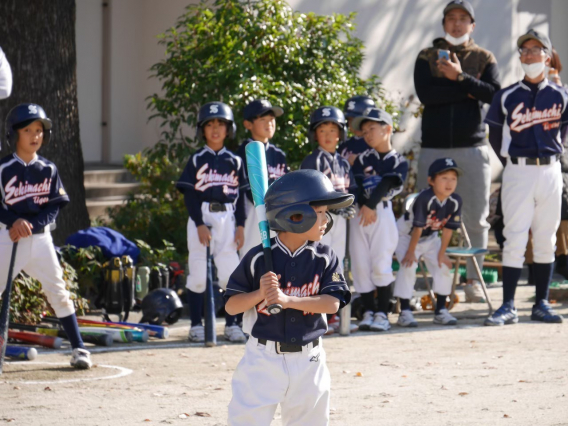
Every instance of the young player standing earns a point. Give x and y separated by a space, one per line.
526 123
260 119
284 361
213 185
437 208
355 145
380 173
32 194
327 129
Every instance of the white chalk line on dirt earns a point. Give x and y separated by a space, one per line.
101 349
122 373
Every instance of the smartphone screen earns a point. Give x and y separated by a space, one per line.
444 54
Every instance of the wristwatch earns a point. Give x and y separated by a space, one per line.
460 77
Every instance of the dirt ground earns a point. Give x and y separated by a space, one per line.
433 375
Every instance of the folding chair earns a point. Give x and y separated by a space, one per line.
459 253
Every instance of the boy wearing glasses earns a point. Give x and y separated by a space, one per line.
527 122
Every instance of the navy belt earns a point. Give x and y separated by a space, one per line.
539 161
285 348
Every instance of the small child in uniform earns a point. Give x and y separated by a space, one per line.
284 361
437 208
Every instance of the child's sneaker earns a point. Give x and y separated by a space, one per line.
504 315
380 322
444 318
333 323
234 333
366 322
81 359
406 319
544 313
197 333
474 293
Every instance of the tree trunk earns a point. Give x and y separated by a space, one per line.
38 38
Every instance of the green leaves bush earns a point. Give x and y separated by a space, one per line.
235 52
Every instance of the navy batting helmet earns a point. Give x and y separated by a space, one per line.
327 114
295 193
356 106
162 304
216 110
23 115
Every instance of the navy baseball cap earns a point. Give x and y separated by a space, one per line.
460 4
443 165
373 114
535 35
260 107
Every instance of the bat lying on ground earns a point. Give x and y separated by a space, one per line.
36 338
21 352
99 339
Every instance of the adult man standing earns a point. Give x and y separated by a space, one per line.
453 92
527 121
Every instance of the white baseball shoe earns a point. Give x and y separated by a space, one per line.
81 359
444 318
380 322
234 333
406 319
474 293
197 333
366 322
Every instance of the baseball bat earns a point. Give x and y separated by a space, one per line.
121 336
153 330
258 179
138 334
5 310
99 339
36 338
21 352
345 314
210 334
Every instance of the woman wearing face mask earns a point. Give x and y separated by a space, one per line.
527 124
453 92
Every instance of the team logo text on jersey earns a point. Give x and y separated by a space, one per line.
306 290
213 109
276 172
436 224
207 179
21 191
529 118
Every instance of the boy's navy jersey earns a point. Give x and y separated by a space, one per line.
311 270
353 145
334 166
275 162
531 119
431 214
32 191
211 176
370 164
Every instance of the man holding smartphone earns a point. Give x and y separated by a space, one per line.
453 79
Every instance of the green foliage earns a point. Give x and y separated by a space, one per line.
235 52
88 263
151 256
239 51
28 303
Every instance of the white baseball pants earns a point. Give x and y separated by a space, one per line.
299 382
428 249
531 199
252 233
371 248
36 257
336 237
222 244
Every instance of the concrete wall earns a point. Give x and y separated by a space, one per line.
393 31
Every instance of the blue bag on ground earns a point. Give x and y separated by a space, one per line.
111 242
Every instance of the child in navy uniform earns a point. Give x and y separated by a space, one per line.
284 361
437 208
31 196
328 128
380 173
355 145
260 119
213 184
